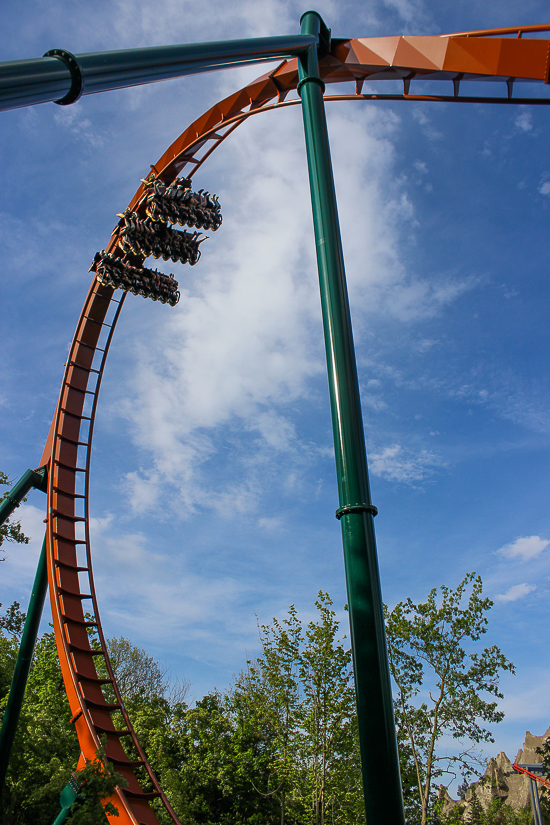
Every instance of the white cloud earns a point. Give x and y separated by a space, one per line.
270 523
524 547
517 591
421 166
426 344
412 12
524 120
19 568
544 185
425 123
72 119
396 464
243 347
506 392
526 699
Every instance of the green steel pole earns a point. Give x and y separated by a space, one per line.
62 816
63 77
379 756
68 797
23 664
12 499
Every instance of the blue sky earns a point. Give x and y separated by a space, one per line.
213 485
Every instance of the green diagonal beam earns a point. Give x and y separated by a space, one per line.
16 494
23 664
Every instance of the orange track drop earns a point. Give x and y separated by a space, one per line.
489 55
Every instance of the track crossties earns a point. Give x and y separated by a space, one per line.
96 704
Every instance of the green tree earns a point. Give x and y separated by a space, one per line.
299 698
499 813
219 768
544 751
267 698
155 706
45 749
440 684
477 814
96 782
136 673
327 717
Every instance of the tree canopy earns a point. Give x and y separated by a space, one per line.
443 687
280 746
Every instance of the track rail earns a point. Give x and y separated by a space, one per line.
531 775
90 687
87 672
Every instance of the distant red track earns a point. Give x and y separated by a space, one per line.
531 775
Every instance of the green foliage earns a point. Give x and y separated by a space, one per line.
281 746
137 674
545 806
45 748
498 813
97 782
441 685
477 815
14 621
298 697
544 751
11 627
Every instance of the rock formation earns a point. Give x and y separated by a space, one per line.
500 780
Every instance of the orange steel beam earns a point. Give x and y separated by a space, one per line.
455 58
517 30
469 56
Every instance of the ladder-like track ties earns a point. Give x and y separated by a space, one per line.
90 651
95 681
65 592
88 676
83 622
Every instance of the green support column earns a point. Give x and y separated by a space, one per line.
379 757
23 664
14 496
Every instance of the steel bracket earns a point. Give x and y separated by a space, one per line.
356 508
77 81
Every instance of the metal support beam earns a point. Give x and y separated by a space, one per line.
32 478
68 797
63 77
535 804
23 664
380 762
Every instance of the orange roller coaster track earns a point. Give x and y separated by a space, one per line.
488 55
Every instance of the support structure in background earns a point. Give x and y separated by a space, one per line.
535 774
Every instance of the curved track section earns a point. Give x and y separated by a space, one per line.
96 704
89 681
